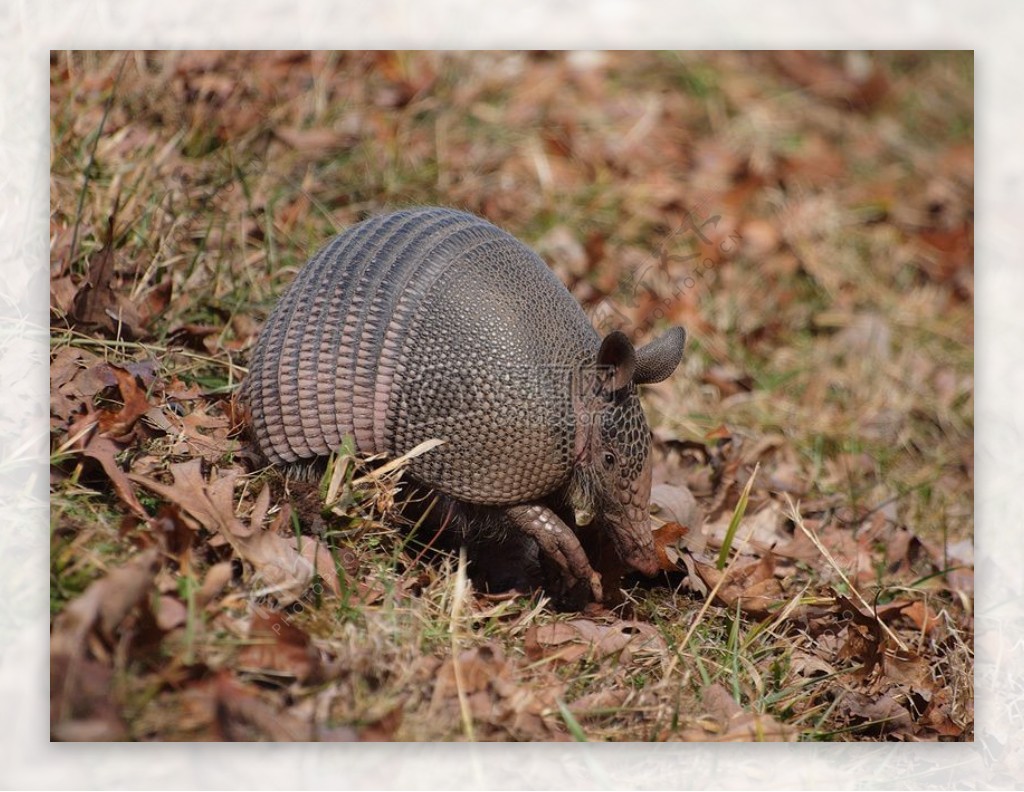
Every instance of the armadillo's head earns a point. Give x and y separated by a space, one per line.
612 477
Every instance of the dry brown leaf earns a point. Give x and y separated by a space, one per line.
79 684
923 617
96 295
170 613
62 296
497 696
753 586
315 142
882 711
243 715
102 434
217 577
916 612
598 703
541 641
197 433
938 718
908 669
104 450
862 645
570 640
92 714
758 533
727 722
283 567
174 533
800 547
858 81
281 649
667 540
806 664
118 423
212 506
65 398
620 638
675 503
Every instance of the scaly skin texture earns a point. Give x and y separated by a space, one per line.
433 323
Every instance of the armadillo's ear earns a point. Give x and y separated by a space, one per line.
659 358
618 354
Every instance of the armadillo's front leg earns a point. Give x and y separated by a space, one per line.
557 541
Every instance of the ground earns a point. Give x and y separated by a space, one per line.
808 217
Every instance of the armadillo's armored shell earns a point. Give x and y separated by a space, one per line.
421 324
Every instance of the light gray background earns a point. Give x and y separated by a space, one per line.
28 30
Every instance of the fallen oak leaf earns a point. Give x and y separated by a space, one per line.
66 393
597 704
668 539
281 649
726 721
883 712
864 642
555 641
174 533
286 567
620 638
80 685
170 613
217 577
912 670
100 434
568 641
120 422
937 716
675 503
195 433
105 603
283 567
104 450
493 694
96 294
77 376
923 617
206 504
752 586
244 716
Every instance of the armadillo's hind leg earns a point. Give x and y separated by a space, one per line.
557 541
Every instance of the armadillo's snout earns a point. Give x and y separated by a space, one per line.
631 532
634 542
644 559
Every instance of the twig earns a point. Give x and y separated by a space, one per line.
458 600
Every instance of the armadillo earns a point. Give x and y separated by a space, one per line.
434 323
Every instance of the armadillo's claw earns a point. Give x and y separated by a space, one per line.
557 541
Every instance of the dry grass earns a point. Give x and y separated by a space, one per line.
811 219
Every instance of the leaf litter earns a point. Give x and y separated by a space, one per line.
241 609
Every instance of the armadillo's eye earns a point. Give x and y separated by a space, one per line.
609 459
